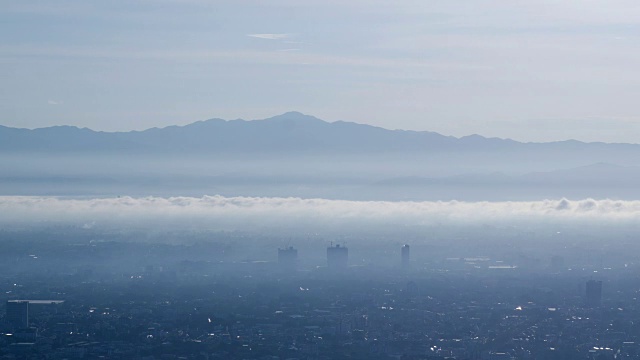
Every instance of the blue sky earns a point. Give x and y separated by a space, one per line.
533 71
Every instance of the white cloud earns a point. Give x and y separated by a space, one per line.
53 102
269 36
246 213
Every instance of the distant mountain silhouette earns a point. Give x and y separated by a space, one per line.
292 133
299 155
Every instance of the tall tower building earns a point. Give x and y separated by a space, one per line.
594 292
288 258
337 257
405 257
18 313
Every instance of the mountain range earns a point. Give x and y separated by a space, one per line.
289 132
299 155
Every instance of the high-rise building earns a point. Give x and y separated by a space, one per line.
288 258
337 257
18 313
405 255
594 292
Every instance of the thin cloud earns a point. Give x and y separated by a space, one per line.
252 57
53 102
269 36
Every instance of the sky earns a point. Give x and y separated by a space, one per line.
531 71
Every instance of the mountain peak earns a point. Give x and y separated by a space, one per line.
294 116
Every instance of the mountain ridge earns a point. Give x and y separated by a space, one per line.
291 132
288 117
300 155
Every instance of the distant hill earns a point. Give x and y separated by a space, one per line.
292 133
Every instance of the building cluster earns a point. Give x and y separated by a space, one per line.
337 257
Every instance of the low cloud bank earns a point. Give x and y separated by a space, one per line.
245 213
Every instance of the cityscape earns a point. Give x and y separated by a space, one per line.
402 306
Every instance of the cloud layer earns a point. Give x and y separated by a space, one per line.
245 213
